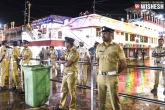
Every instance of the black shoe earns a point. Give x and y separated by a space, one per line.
3 88
58 109
154 90
21 92
164 92
13 89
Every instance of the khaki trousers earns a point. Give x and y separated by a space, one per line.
68 86
82 74
157 74
3 70
110 83
15 77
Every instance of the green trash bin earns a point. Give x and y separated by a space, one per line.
37 84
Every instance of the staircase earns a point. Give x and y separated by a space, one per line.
31 34
70 33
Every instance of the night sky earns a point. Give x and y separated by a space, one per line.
12 10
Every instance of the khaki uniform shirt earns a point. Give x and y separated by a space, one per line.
109 56
26 52
3 51
15 52
72 55
52 54
159 49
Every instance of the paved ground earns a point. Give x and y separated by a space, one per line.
133 82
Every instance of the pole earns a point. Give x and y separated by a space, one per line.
25 14
94 9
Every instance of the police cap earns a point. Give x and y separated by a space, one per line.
25 41
106 29
81 42
69 40
14 43
4 41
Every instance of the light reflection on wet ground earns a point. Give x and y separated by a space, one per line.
136 82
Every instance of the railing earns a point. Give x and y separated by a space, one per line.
78 39
93 84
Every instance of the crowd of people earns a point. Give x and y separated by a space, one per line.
109 56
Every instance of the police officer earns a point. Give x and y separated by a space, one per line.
15 65
26 55
53 56
3 68
159 57
83 68
71 56
109 54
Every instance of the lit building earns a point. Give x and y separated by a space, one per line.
140 31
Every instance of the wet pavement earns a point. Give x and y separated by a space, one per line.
134 93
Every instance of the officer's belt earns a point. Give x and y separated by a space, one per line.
107 73
13 61
157 61
64 73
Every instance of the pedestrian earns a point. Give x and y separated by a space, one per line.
3 68
15 65
111 59
136 54
92 52
83 68
143 54
159 56
26 55
71 56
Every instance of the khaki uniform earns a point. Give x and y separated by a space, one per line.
54 64
83 68
25 52
69 79
14 63
3 67
108 73
158 62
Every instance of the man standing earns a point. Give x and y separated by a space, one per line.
143 54
71 57
26 55
3 68
92 50
15 64
83 68
111 59
159 56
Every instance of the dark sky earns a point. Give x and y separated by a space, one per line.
12 10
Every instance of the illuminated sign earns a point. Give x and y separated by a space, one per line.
146 5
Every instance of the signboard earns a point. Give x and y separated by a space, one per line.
50 19
146 5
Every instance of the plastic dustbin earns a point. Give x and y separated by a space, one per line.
37 84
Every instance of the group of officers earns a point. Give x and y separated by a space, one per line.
109 56
15 58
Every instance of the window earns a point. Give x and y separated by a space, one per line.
126 36
132 37
59 34
141 38
146 39
98 32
